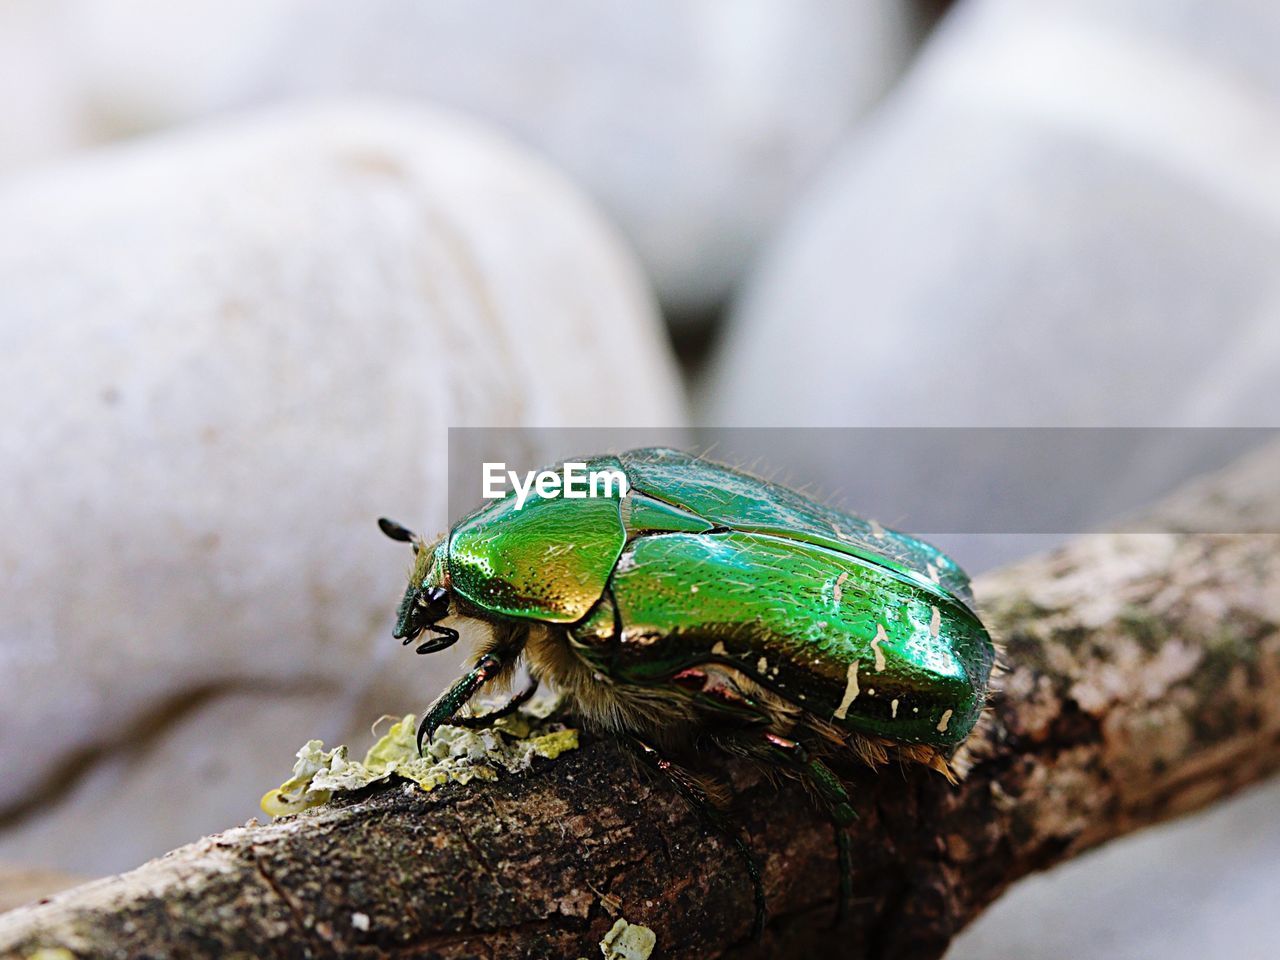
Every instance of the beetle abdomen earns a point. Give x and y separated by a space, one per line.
849 641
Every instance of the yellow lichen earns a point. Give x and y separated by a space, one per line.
455 754
551 745
628 941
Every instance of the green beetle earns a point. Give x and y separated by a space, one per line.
705 601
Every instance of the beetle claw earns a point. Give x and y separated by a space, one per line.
482 720
444 709
423 734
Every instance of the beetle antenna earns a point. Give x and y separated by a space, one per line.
398 531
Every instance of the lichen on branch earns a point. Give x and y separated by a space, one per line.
454 755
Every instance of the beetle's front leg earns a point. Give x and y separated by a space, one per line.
508 708
453 699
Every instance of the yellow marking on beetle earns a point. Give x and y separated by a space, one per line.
850 692
935 623
893 709
719 649
762 665
880 638
942 724
836 591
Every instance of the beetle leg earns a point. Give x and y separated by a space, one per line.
836 800
453 699
696 795
829 791
508 708
720 699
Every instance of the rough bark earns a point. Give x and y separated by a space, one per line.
1142 681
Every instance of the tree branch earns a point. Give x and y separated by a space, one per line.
1143 681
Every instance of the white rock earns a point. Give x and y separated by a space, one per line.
179 777
1057 220
222 355
692 121
1062 217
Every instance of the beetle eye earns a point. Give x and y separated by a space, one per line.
435 600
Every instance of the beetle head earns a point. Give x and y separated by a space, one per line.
422 608
426 601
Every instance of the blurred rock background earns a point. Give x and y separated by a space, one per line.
228 349
239 310
694 123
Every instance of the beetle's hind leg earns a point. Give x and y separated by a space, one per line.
837 803
700 796
823 784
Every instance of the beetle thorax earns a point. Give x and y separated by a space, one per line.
601 702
